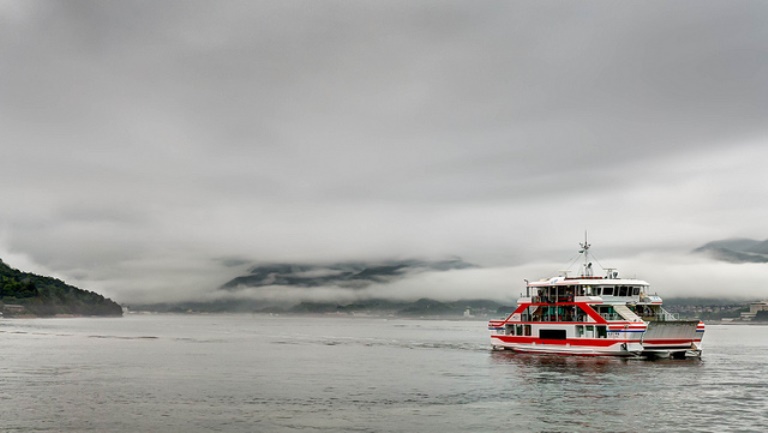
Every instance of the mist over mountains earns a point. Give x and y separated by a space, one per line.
400 287
350 275
450 286
739 250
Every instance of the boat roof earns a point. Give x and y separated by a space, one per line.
587 281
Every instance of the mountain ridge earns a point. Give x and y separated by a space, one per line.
736 250
350 275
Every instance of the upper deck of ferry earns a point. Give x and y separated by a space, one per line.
608 289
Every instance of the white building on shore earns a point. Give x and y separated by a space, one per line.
754 308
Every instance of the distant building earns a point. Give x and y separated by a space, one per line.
13 309
754 308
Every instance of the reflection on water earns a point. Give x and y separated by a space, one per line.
597 364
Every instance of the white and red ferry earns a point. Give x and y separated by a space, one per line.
595 315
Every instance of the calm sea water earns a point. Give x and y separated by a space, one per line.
244 373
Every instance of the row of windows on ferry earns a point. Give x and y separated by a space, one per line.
582 331
566 291
566 313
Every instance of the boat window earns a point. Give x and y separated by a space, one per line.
528 314
601 332
554 314
544 314
624 291
581 316
579 331
607 312
526 329
552 334
607 290
573 315
589 331
635 291
519 329
598 291
510 329
567 314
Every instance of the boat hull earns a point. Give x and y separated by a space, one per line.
580 347
678 339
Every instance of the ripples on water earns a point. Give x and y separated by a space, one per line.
278 374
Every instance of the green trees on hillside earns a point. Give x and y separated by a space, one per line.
46 296
13 288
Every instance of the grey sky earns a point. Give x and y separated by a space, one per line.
146 145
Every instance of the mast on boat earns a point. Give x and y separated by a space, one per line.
586 270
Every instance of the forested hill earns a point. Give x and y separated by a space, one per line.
25 294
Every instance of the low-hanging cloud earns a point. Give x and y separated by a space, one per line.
669 275
135 157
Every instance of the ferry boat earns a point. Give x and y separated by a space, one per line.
595 316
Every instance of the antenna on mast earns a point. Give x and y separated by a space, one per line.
587 269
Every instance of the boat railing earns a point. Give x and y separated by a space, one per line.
661 317
551 299
554 318
671 316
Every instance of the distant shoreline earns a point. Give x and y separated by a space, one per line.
479 318
56 316
736 323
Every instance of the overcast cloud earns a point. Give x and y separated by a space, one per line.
149 146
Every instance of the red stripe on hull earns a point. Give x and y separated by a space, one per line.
601 342
538 352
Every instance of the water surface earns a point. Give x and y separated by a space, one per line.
253 373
